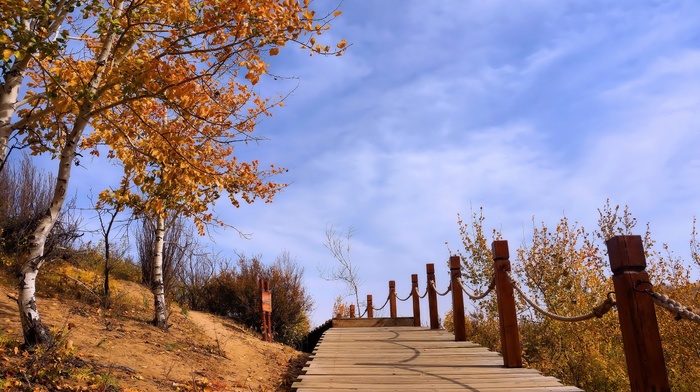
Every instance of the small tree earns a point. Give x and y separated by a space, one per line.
344 271
107 216
162 248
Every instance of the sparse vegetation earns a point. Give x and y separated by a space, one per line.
109 346
117 350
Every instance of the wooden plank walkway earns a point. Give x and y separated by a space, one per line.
412 359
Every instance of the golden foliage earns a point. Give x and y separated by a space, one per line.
341 307
167 88
566 270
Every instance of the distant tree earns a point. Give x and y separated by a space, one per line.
345 271
178 242
109 226
340 307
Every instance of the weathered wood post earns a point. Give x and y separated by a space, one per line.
352 311
432 297
370 308
266 310
640 330
507 317
268 315
416 300
392 299
457 299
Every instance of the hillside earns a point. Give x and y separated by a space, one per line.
120 351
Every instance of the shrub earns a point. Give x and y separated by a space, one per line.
235 293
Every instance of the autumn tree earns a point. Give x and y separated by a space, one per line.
112 69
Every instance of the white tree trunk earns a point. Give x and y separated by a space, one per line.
9 93
33 329
160 320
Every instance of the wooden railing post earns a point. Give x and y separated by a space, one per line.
457 299
416 300
392 299
507 316
635 308
370 308
352 311
432 297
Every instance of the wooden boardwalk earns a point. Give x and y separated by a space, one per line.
412 359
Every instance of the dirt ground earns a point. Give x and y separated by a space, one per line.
199 349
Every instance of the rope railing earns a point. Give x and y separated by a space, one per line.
404 299
383 306
449 288
598 311
424 294
674 307
364 313
476 297
638 323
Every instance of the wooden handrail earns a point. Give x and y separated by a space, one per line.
636 309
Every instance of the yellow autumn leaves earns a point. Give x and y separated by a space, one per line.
565 268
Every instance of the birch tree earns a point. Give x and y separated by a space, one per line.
72 69
345 271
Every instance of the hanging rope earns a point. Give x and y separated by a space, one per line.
364 313
424 294
385 302
598 311
475 297
674 307
449 288
404 299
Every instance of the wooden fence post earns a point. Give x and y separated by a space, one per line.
265 310
370 308
392 299
352 311
507 316
459 323
635 308
268 315
416 300
432 297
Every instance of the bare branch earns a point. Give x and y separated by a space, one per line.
338 243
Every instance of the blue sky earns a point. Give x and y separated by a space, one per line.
528 108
